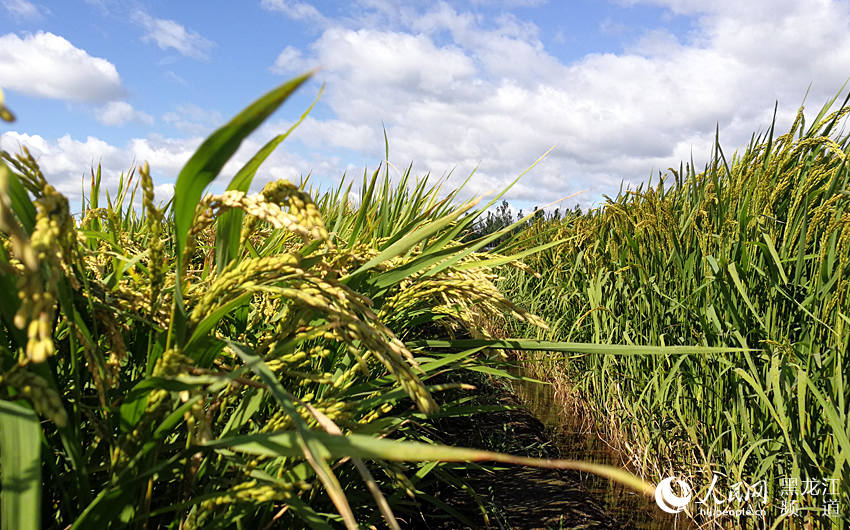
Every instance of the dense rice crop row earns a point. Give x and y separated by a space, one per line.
232 360
752 252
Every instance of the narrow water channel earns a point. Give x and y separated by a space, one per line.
629 508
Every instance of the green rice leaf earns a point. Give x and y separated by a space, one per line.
367 447
229 224
20 468
205 165
572 347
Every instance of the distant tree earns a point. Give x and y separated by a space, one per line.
501 217
492 222
538 215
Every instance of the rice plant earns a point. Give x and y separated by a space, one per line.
234 360
751 252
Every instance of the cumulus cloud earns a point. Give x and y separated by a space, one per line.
120 113
460 91
393 63
47 65
67 161
168 155
319 133
290 60
168 34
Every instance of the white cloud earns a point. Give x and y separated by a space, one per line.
101 5
394 64
510 3
163 192
174 77
167 155
66 161
47 65
169 34
21 9
753 9
192 119
121 112
289 61
296 10
459 91
319 133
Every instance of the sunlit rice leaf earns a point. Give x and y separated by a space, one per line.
229 223
368 447
572 347
205 165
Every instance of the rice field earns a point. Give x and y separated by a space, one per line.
271 360
235 360
751 252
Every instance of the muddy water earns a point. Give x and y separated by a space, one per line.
575 443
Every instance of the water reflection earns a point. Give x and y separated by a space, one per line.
630 509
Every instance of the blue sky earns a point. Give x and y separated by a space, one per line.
622 87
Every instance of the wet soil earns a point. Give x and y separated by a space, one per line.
511 496
576 440
522 497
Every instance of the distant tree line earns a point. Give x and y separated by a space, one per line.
502 217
